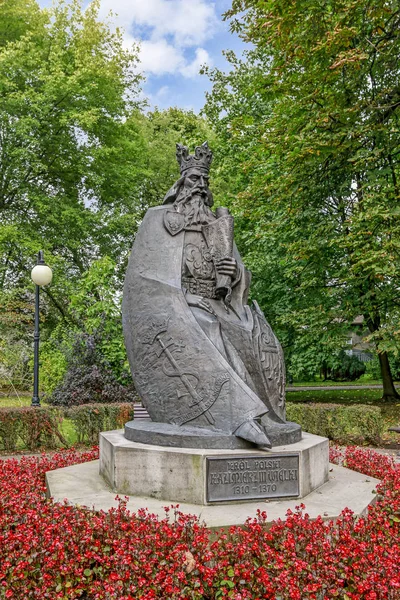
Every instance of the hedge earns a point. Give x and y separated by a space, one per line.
90 419
344 424
31 428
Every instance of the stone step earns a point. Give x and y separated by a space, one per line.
140 412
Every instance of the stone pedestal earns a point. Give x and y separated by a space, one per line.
203 477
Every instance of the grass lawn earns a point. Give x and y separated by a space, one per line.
365 396
318 381
68 431
15 401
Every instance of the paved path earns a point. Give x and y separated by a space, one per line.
82 485
300 388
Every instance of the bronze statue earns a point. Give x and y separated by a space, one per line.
207 366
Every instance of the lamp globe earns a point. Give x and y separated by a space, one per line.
41 274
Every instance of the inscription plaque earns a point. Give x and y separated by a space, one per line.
252 477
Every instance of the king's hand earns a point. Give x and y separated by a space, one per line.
199 302
227 266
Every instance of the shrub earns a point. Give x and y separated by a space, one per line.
394 367
373 369
345 368
16 324
344 424
90 384
90 419
31 427
88 378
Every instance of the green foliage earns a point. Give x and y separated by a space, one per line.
307 356
80 165
90 419
64 78
162 130
345 368
16 320
88 377
96 306
14 364
395 367
344 424
68 86
33 428
53 365
310 119
373 368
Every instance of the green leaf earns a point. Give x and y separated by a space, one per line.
228 583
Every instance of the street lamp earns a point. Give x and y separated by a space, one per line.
41 274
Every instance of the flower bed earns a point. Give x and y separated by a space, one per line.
50 550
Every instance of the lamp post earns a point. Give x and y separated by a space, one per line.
41 274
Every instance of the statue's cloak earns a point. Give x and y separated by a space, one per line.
180 375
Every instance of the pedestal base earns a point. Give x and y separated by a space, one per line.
173 436
184 436
82 485
202 477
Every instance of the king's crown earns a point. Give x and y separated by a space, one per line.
201 159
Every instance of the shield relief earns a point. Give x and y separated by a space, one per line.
174 222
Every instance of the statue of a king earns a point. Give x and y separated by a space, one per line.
200 355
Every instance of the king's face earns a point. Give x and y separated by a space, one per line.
195 178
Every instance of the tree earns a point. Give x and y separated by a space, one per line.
80 163
95 300
323 165
66 86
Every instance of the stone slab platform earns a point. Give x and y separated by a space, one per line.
82 485
183 474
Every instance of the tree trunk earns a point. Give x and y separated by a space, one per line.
389 391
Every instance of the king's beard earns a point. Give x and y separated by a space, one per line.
192 203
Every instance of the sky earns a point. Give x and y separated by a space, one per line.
176 38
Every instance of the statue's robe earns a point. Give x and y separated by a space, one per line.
189 366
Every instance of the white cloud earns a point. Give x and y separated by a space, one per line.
159 57
172 27
192 69
189 22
